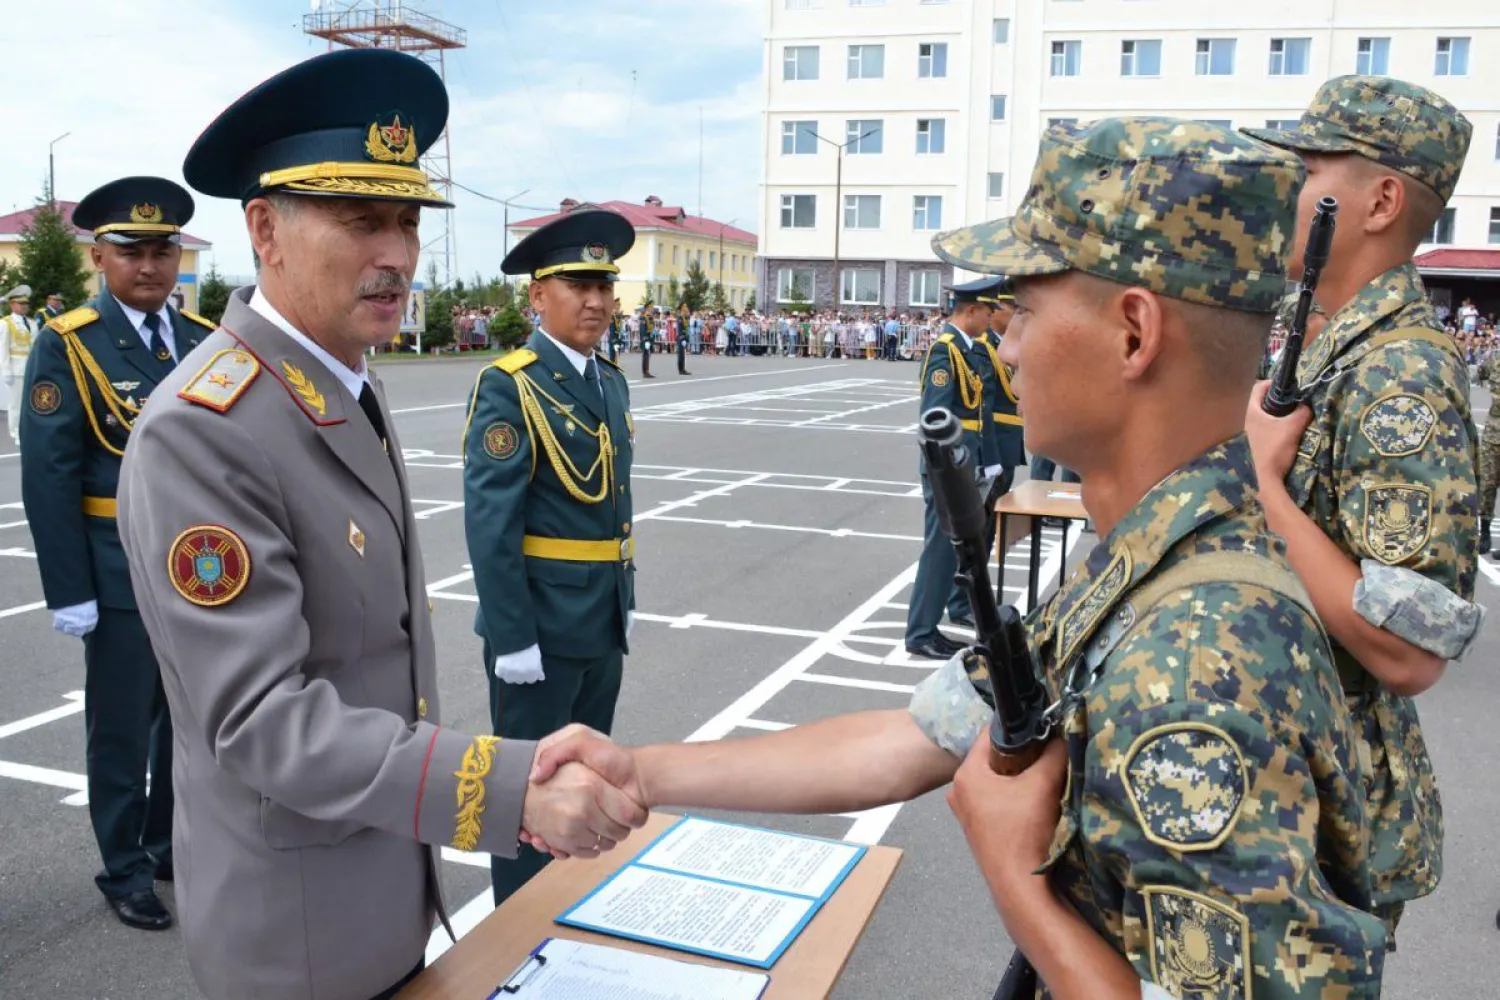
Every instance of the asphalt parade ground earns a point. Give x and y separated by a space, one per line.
779 523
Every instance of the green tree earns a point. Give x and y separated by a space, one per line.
695 288
750 303
718 301
50 262
9 277
796 298
674 293
510 328
213 294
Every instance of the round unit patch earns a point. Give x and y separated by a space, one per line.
1398 425
1186 781
501 440
46 397
940 378
209 565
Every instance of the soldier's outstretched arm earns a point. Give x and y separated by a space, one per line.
235 662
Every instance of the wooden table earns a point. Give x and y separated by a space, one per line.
482 959
1031 500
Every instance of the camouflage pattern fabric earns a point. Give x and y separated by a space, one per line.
1397 124
1186 209
1424 613
1213 828
1489 440
1387 470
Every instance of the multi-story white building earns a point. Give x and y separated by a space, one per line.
939 105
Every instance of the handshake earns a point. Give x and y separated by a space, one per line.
584 795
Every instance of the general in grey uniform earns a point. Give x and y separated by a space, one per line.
266 514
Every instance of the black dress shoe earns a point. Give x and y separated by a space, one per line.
141 910
962 621
940 648
164 872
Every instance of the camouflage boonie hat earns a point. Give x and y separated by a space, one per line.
1397 124
1183 208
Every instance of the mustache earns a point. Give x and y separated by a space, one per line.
383 283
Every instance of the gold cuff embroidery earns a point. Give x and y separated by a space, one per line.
470 795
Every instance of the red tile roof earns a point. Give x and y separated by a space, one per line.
668 217
15 222
1459 260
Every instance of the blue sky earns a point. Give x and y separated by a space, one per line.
542 100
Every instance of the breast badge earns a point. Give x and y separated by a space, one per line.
46 397
356 538
209 565
501 440
1398 520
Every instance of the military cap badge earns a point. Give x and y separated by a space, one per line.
391 143
209 565
145 212
596 253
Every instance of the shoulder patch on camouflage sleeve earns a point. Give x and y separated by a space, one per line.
1399 424
221 382
1186 782
515 360
1199 946
200 320
1398 520
940 377
73 319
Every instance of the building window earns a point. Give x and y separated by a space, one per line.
931 135
676 256
794 284
997 107
799 62
1283 124
864 136
1373 57
1002 31
932 60
1497 142
1140 57
997 185
1066 57
866 62
1289 56
927 212
861 211
1218 122
1215 57
1452 57
926 288
860 287
1442 230
804 4
799 211
1495 225
713 259
797 138
1061 121
867 3
661 253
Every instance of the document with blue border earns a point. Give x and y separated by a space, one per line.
724 890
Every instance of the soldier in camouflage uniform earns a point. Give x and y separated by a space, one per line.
1201 822
1383 464
1489 450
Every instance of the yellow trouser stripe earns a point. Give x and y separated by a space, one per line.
99 506
579 550
1008 418
971 425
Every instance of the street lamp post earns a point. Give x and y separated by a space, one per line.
505 238
838 200
723 226
51 170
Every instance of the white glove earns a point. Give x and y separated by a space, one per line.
521 667
992 472
629 623
77 620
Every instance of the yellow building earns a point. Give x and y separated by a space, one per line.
666 240
11 227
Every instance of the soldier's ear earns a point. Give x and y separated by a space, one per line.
1138 319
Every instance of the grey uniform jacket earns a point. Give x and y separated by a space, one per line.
275 560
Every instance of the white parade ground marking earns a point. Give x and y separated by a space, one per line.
73 707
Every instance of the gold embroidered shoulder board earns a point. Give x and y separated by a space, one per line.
222 381
73 319
515 360
201 321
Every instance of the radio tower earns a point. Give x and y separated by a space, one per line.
392 24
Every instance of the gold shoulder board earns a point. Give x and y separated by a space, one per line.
210 324
946 338
73 319
515 360
604 360
223 380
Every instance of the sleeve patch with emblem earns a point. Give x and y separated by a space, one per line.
1398 425
1186 782
1398 520
209 565
501 440
940 378
46 397
1200 947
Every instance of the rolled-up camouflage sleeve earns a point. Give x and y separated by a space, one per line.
1212 826
1407 478
950 709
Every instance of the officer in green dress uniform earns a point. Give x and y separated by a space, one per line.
1002 444
547 506
88 376
952 377
51 310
